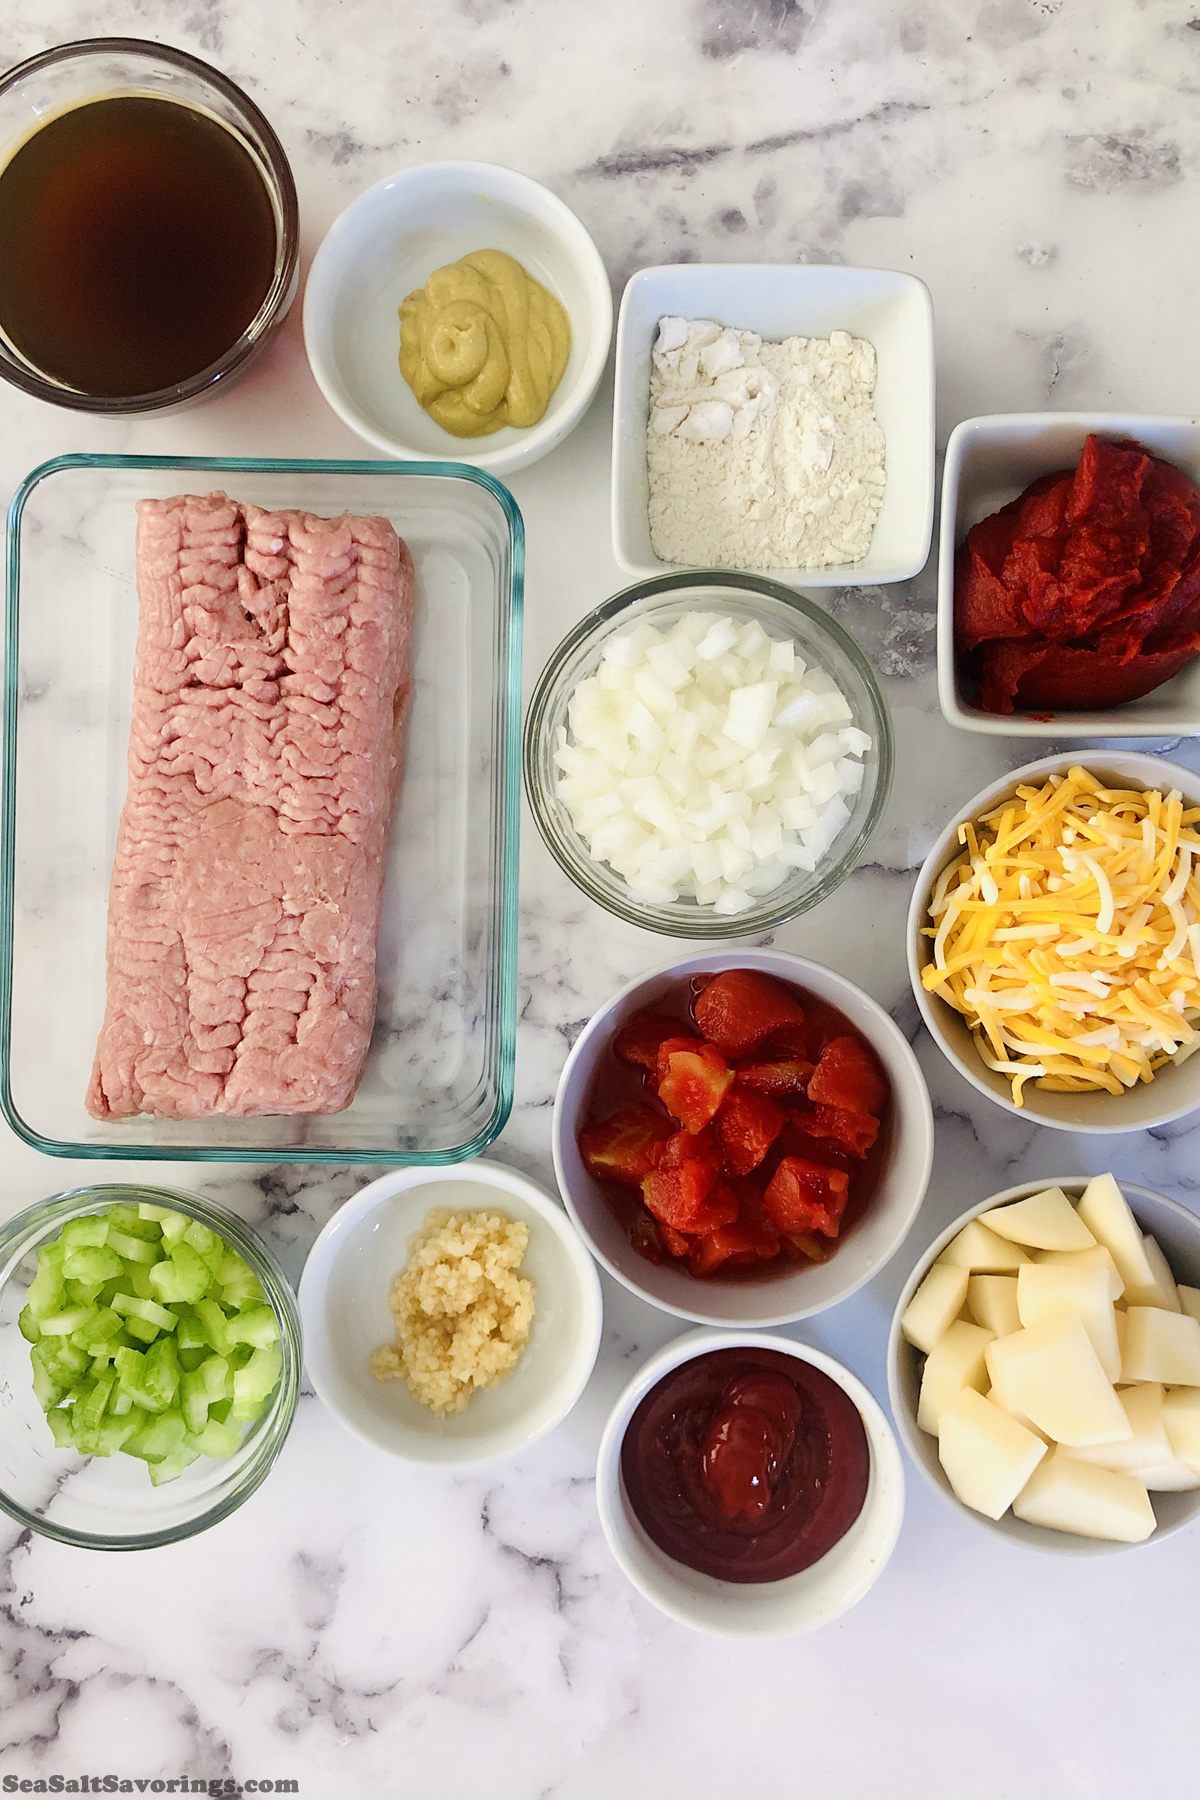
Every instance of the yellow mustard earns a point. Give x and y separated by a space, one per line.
483 344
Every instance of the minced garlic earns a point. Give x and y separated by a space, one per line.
1066 934
462 1312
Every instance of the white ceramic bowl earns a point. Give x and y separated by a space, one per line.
769 1609
989 461
1174 1091
778 300
797 1291
1177 1231
344 1310
387 243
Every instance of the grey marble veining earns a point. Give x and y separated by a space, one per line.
373 1630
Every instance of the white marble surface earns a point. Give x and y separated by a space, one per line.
370 1630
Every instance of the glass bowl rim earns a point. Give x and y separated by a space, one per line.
17 1239
280 182
704 926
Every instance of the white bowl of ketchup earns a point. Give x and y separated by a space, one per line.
758 1607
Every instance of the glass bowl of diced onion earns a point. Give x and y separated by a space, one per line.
1028 963
110 1501
708 754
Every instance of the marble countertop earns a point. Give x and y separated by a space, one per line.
367 1629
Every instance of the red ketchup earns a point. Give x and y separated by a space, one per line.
746 1464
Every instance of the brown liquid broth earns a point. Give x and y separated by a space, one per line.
137 243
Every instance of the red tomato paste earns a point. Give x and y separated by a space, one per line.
750 1132
1084 592
746 1464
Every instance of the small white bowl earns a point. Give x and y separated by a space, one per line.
990 461
1174 1091
798 1291
387 243
344 1309
1178 1233
766 1609
778 300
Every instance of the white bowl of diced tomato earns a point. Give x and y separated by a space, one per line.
742 1137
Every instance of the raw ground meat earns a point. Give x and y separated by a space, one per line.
265 750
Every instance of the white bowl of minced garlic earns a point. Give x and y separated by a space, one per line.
451 1316
1054 941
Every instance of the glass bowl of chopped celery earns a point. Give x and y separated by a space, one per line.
149 1365
707 754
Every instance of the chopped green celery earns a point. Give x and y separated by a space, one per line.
121 1403
114 1431
220 1411
129 1220
45 1290
161 1374
47 1392
171 1467
202 1239
240 1286
193 1400
255 1382
62 1324
88 1228
189 1335
102 1327
131 1371
142 1330
89 1410
159 1438
92 1262
173 1228
213 1320
191 1359
134 1249
61 1430
137 1280
215 1439
130 1307
27 1325
80 1293
258 1327
183 1277
61 1361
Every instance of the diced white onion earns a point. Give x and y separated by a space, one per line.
708 762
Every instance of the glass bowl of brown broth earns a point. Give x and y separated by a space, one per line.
149 240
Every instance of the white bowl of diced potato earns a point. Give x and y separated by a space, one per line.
1050 1388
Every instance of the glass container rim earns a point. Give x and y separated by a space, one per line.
508 702
16 1240
566 851
279 180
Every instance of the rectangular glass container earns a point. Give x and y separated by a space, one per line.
438 1081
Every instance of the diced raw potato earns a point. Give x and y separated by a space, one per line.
1172 1477
1067 1495
1189 1300
935 1305
1148 1443
1162 1290
1161 1346
992 1302
1045 1221
1044 1290
1098 1257
982 1252
999 1398
1105 1211
1051 1373
1181 1420
955 1362
987 1456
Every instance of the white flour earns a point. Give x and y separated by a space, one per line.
762 456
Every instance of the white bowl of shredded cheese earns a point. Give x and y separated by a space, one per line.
344 1306
1054 941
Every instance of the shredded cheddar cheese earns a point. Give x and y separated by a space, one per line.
1067 933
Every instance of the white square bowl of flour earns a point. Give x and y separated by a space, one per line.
745 447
